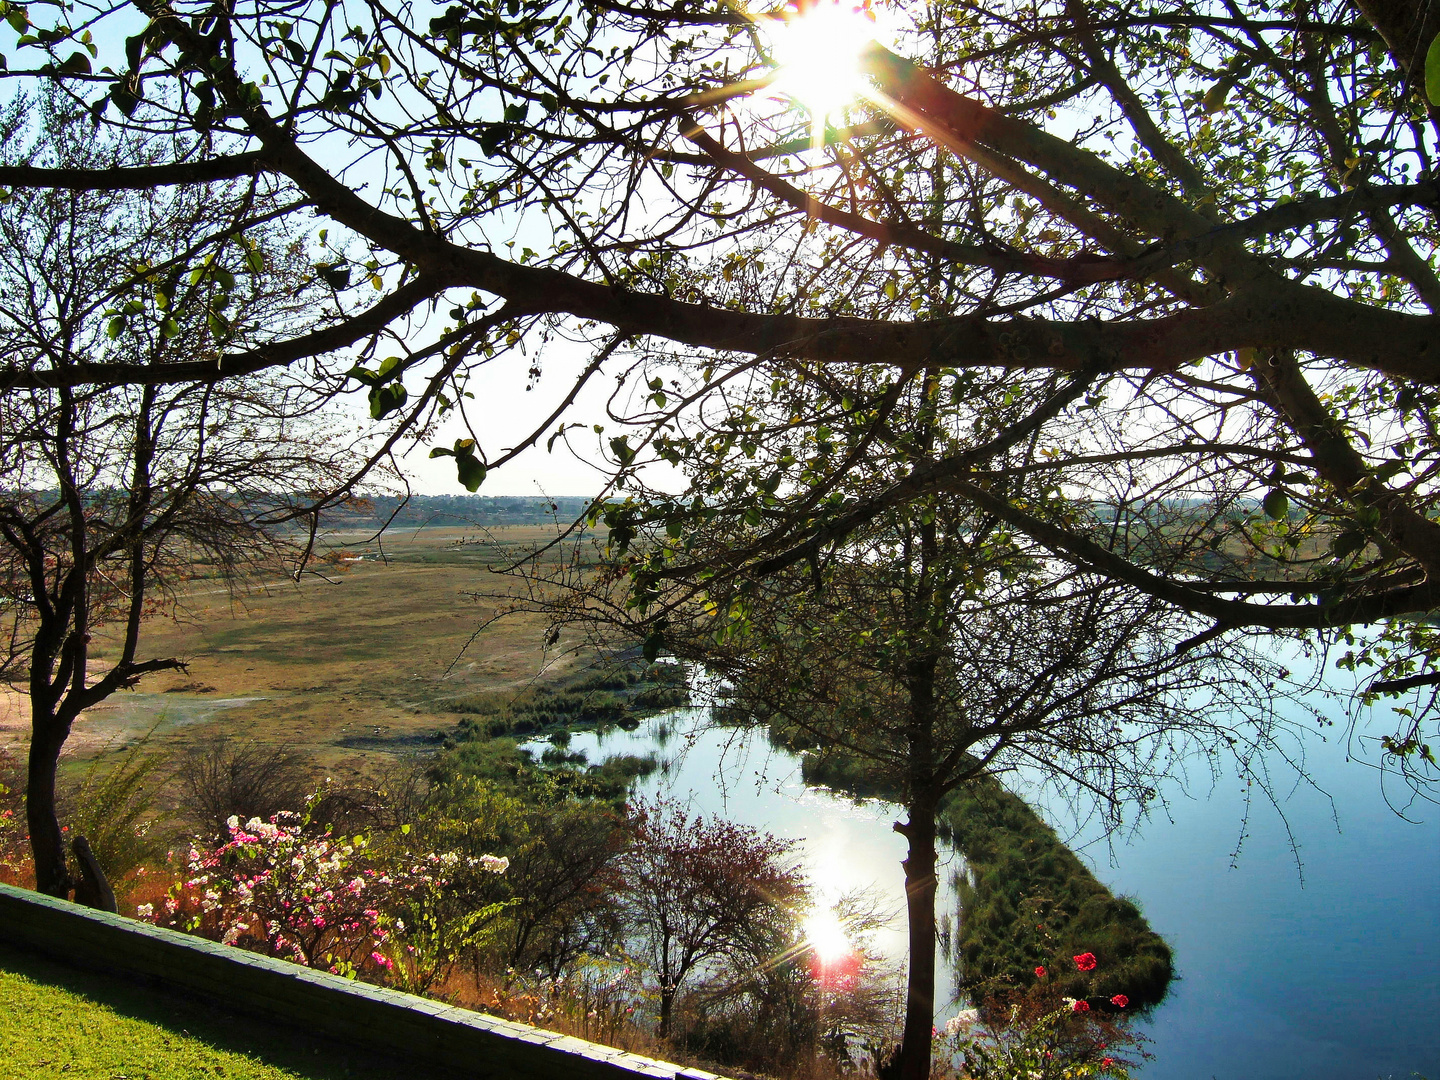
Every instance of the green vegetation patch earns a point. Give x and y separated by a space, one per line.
556 776
617 696
1028 902
55 1021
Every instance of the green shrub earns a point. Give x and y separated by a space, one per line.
112 807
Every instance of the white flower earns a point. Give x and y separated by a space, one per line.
145 911
232 822
961 1020
496 864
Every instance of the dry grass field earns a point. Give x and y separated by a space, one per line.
342 668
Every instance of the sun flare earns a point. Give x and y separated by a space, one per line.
825 934
817 52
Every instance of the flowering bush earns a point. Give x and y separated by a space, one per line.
1044 1039
14 838
290 889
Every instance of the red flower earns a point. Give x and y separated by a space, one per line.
1040 972
1106 1063
1085 961
1080 1006
1119 1001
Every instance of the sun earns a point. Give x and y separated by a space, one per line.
817 54
825 934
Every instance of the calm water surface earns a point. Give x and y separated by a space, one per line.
1333 975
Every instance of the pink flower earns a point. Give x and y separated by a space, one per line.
1039 972
383 960
1120 1001
1080 1006
1085 961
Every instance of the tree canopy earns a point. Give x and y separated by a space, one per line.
1186 251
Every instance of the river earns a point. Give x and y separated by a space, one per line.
1329 970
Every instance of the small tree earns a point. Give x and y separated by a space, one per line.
699 890
559 896
112 497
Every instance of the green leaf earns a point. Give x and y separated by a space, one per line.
620 447
386 399
492 138
1276 505
1432 72
470 470
652 646
115 327
1347 543
124 98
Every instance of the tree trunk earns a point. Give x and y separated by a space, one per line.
46 843
667 1008
920 886
92 888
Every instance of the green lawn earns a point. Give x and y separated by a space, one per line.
57 1022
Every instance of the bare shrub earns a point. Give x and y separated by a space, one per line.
380 799
246 779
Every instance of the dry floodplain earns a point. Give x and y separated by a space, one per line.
341 667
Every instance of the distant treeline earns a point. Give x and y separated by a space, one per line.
1027 901
363 512
422 511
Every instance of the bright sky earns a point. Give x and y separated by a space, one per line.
819 58
503 412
